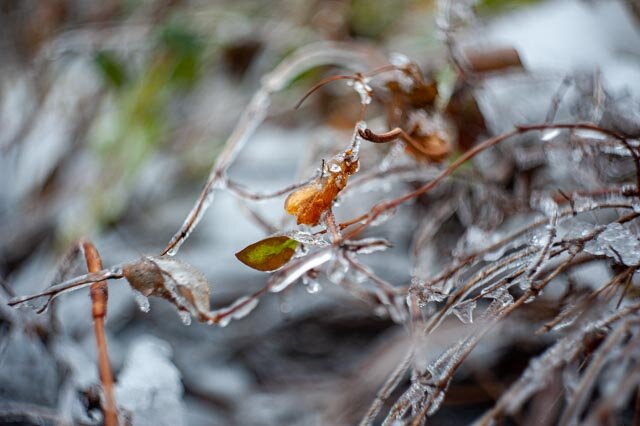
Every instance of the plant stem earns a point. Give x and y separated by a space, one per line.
99 296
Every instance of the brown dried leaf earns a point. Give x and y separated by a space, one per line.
312 200
464 111
173 280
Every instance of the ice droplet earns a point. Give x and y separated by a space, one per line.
142 301
185 317
361 86
545 204
338 270
540 239
285 278
383 217
335 168
307 238
247 305
399 60
464 311
432 292
501 295
368 245
549 134
313 286
577 229
617 242
224 321
583 204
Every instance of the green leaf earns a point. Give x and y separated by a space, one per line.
268 254
111 68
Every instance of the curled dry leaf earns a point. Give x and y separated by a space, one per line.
410 96
268 254
430 146
312 200
464 111
173 280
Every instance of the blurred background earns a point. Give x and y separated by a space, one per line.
111 116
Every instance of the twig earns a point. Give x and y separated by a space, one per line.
387 389
557 98
385 205
99 296
348 55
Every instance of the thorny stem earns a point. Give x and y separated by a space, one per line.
99 296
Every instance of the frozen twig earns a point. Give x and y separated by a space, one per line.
345 55
99 297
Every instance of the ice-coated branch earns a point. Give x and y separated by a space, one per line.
386 205
347 55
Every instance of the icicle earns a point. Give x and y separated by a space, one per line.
338 269
142 301
312 284
464 311
501 295
185 317
583 204
285 278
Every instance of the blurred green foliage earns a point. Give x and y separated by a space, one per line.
488 7
371 19
136 120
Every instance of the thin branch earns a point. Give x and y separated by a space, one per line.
99 297
383 206
69 285
348 55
